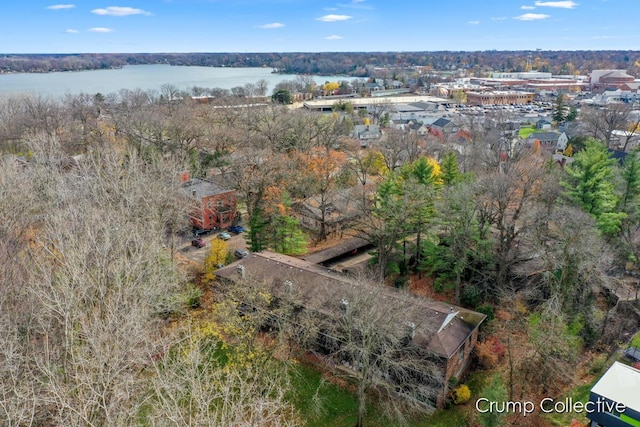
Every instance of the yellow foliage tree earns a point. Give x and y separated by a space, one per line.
374 163
461 395
367 121
331 86
436 173
216 256
568 151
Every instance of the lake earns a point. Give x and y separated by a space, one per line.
145 77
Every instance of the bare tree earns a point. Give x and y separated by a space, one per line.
369 334
195 386
603 122
399 147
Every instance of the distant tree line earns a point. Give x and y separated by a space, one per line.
356 64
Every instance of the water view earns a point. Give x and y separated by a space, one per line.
146 77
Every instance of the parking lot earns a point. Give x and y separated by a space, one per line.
237 241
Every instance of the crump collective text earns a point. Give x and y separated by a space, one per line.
549 405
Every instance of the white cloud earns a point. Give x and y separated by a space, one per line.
499 18
333 18
531 17
61 6
527 7
333 37
559 4
71 31
271 26
473 22
120 11
99 30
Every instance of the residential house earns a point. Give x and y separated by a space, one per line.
366 133
211 206
446 126
549 141
373 86
543 124
421 129
614 401
624 140
440 332
402 124
617 96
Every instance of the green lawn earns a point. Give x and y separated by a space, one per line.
525 132
579 394
324 404
635 341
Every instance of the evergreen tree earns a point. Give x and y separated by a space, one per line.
559 113
630 204
589 182
494 391
631 182
285 234
450 169
460 245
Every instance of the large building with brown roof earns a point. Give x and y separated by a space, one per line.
445 332
609 79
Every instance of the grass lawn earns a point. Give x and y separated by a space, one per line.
635 341
579 394
324 404
525 132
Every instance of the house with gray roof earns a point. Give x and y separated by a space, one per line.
549 141
366 133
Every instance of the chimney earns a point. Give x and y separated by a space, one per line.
184 177
240 270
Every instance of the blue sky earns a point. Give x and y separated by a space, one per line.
35 26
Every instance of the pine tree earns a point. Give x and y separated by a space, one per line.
589 183
450 169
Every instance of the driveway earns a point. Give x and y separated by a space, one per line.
237 241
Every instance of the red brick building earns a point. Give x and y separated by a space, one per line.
210 205
499 97
609 79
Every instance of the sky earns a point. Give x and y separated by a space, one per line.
36 26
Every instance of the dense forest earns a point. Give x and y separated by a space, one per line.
99 318
354 64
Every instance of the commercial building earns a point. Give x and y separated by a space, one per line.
499 97
615 399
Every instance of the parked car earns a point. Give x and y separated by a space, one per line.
224 235
241 253
199 243
237 229
633 354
